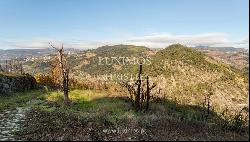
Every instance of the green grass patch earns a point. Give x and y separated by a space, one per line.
19 99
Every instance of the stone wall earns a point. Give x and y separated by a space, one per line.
14 83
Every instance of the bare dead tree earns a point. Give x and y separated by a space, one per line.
140 91
21 68
210 93
138 95
130 88
207 102
64 72
147 96
1 69
6 65
146 93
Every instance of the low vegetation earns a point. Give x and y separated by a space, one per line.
98 115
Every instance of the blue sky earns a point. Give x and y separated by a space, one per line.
154 23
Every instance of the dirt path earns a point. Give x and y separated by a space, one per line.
10 122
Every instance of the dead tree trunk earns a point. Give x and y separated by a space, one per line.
66 88
148 95
137 97
6 65
21 68
65 73
141 94
204 106
208 102
1 69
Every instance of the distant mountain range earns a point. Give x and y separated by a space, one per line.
24 53
238 57
225 49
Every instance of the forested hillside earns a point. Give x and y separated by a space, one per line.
182 73
183 95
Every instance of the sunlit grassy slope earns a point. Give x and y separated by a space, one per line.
19 99
94 111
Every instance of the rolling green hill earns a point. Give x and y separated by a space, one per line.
94 62
181 73
186 75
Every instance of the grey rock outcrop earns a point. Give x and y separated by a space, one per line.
14 83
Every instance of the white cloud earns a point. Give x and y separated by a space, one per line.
163 40
34 43
44 43
153 41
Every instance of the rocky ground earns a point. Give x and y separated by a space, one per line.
10 122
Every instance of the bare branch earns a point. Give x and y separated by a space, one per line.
153 86
53 46
64 71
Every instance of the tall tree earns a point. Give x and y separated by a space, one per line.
64 72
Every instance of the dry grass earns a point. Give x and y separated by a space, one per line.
95 115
